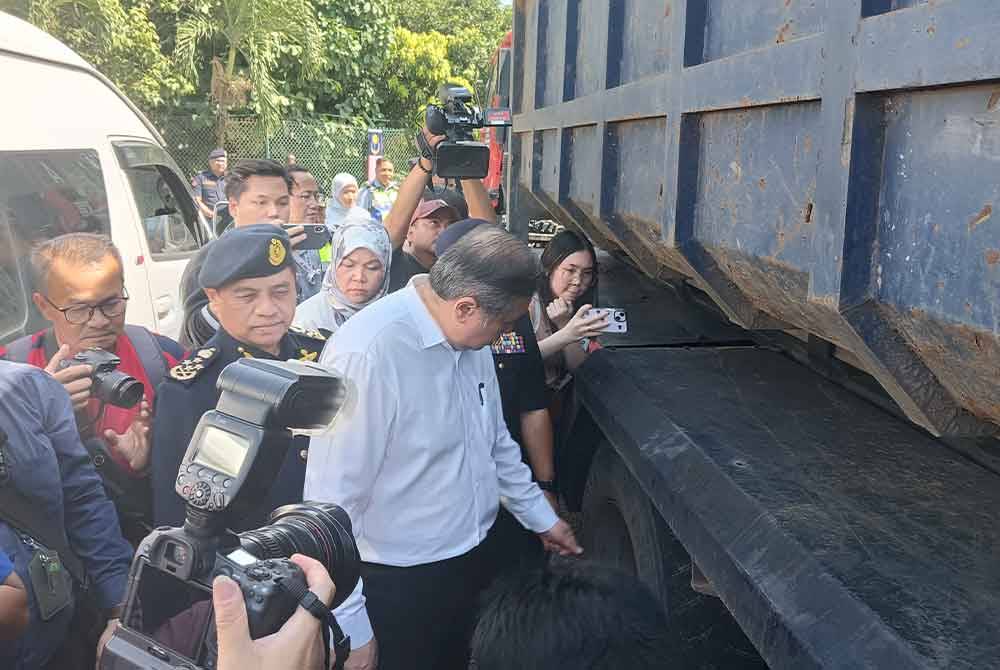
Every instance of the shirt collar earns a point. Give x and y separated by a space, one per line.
427 328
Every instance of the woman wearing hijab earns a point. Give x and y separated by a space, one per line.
343 195
358 275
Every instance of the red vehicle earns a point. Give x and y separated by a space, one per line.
498 96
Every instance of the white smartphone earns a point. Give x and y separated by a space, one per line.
617 319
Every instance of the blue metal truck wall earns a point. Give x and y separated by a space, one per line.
824 167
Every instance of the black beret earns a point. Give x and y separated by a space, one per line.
217 153
260 250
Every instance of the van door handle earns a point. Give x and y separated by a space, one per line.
163 306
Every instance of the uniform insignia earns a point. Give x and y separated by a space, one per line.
190 368
508 343
246 354
275 252
308 332
306 355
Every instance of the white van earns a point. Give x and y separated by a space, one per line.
77 156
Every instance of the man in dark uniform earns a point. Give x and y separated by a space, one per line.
210 185
524 397
249 279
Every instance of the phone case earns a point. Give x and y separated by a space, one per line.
617 319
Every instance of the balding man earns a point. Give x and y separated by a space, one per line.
420 455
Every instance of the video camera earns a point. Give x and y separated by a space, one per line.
460 156
168 621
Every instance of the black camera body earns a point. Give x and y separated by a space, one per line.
236 448
460 156
113 387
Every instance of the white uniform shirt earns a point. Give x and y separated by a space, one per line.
419 455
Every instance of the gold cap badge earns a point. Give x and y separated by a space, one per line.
276 252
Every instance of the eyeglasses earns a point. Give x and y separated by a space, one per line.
306 196
81 314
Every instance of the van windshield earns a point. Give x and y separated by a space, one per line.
43 194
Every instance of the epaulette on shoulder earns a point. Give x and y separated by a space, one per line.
322 334
189 369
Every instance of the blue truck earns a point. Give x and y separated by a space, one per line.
795 446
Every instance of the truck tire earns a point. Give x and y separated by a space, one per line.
621 528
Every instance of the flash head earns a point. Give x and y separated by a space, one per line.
237 447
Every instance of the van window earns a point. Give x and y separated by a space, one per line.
43 194
162 218
167 210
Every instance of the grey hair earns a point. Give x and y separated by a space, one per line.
75 248
488 264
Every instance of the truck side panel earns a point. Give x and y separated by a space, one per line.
814 166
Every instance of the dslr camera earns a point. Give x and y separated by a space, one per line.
460 156
168 622
109 385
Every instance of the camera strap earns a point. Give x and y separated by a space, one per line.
17 511
424 147
312 603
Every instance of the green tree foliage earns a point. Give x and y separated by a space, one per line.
371 61
418 64
115 36
473 29
251 35
357 38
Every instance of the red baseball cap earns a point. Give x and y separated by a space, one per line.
428 207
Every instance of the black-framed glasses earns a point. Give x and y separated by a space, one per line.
306 196
81 314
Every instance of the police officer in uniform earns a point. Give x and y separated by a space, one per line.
249 279
210 185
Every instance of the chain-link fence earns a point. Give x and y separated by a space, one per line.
325 146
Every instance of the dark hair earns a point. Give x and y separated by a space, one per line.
564 244
450 196
383 159
294 169
237 176
570 615
76 248
488 264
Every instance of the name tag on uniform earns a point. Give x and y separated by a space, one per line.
508 343
209 183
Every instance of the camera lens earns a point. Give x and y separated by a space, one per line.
118 388
319 530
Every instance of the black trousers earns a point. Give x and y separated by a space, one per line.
424 615
511 547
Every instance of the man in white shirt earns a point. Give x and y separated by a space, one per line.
420 454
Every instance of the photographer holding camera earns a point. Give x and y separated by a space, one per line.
297 645
415 221
80 289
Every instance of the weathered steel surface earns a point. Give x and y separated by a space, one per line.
838 536
822 165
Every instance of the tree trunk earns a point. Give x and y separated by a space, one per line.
223 118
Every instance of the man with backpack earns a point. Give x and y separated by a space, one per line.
79 288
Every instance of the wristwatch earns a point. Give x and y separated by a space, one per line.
547 485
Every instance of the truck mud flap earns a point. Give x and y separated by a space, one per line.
836 534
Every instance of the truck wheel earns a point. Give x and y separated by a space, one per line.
621 528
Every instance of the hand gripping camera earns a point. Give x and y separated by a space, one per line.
110 385
168 621
460 156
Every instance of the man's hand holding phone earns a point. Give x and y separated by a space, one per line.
305 237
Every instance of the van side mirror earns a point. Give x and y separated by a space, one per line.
221 218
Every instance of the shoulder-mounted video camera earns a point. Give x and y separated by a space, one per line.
168 621
460 156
